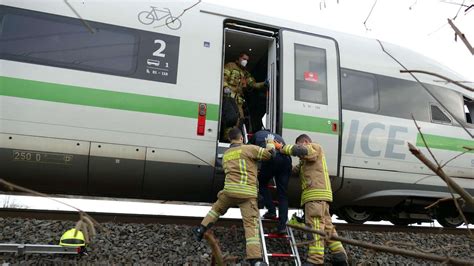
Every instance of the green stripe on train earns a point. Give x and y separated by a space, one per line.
102 98
308 123
444 143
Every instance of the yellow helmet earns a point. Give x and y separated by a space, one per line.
68 239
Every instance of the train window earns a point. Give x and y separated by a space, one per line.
310 74
439 116
402 98
359 91
55 40
469 110
450 99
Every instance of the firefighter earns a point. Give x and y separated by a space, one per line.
241 189
236 81
316 196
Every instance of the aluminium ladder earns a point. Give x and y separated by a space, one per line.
287 237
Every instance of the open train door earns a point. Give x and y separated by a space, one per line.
311 102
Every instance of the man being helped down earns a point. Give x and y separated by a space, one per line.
279 167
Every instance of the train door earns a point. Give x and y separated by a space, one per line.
260 103
311 92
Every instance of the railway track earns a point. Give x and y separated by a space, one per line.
186 220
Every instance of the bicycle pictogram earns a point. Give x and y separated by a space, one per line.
155 14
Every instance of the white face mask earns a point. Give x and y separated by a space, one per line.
243 63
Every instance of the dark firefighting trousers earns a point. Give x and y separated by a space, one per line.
317 217
249 211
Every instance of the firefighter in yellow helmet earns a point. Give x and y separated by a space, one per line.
241 189
236 81
315 197
72 238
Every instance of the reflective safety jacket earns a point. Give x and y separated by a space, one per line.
240 166
238 79
313 172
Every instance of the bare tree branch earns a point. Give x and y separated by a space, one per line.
383 248
426 89
180 15
463 193
368 16
216 250
85 224
415 246
461 35
464 152
79 16
412 5
450 188
460 7
439 201
456 203
424 141
439 76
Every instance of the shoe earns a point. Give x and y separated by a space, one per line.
281 230
199 232
257 262
270 216
339 259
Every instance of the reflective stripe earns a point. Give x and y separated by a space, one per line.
214 214
253 240
311 151
243 172
316 247
287 149
316 194
243 189
335 246
326 174
260 153
313 250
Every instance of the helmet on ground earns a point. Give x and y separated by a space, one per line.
72 238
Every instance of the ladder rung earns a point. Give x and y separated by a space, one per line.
273 235
281 255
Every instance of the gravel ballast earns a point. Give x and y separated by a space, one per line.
174 245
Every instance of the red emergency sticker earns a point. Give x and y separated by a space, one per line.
311 76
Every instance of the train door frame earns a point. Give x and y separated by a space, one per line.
273 98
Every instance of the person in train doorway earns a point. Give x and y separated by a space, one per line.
280 168
316 196
240 188
237 79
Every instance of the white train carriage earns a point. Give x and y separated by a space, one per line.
123 99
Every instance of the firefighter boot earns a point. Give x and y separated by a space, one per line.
199 232
339 259
257 262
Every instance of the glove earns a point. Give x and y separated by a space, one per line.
270 146
278 145
227 91
269 140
